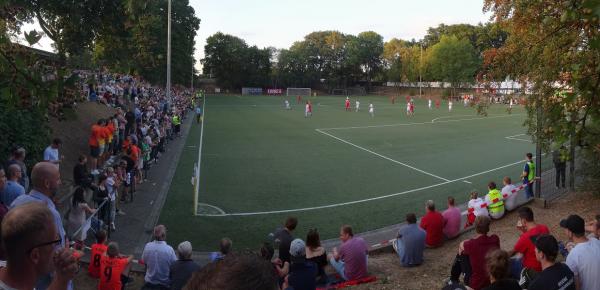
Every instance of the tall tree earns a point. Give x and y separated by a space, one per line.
365 52
452 60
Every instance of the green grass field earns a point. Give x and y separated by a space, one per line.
261 163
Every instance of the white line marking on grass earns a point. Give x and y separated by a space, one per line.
221 212
518 139
447 117
382 156
197 191
422 123
466 181
361 200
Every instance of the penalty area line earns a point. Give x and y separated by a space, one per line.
358 201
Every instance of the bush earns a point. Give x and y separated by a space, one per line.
23 127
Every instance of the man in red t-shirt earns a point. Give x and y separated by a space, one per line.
95 145
471 256
98 250
526 243
114 269
433 224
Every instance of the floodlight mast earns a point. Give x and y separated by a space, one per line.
169 99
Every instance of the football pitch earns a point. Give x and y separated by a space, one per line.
261 163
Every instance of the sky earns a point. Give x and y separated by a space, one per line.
280 23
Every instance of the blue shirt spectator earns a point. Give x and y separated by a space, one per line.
11 191
158 257
410 243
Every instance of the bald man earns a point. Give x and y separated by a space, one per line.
12 189
45 180
33 250
158 257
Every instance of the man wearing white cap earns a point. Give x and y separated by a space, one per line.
182 269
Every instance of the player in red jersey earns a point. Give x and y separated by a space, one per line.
98 250
114 269
347 104
437 104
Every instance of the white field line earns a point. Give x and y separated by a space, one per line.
197 193
518 139
446 117
221 212
422 123
361 200
466 181
382 156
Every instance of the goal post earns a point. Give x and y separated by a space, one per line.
298 92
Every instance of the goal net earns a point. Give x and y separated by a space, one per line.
298 92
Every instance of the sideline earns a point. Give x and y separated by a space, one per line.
197 177
518 139
361 200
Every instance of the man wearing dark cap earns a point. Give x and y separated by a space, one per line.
584 258
554 276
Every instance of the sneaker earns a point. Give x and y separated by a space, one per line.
112 227
395 246
95 172
120 212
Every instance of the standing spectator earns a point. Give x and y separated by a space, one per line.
410 243
494 201
12 188
280 268
510 200
351 260
471 256
158 257
94 142
102 200
475 208
525 245
584 258
114 269
51 153
285 238
33 251
559 158
76 218
98 250
433 224
451 219
81 175
111 188
18 157
45 179
528 175
498 265
554 276
224 250
182 269
199 113
316 254
302 272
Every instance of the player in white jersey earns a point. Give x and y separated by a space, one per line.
371 110
287 105
449 106
357 105
307 110
407 108
429 103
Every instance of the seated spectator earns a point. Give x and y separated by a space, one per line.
584 258
476 207
593 228
114 269
182 269
555 275
224 250
98 250
235 272
32 244
285 238
525 245
433 224
12 188
77 217
280 268
510 202
451 219
410 243
316 254
498 265
351 260
470 260
494 201
303 273
158 257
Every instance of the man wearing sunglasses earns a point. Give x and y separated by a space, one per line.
33 250
45 179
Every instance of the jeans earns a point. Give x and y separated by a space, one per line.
516 266
560 175
529 190
400 249
339 267
461 265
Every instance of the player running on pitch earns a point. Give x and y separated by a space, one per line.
429 103
371 110
308 110
411 108
287 105
347 105
357 105
450 106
